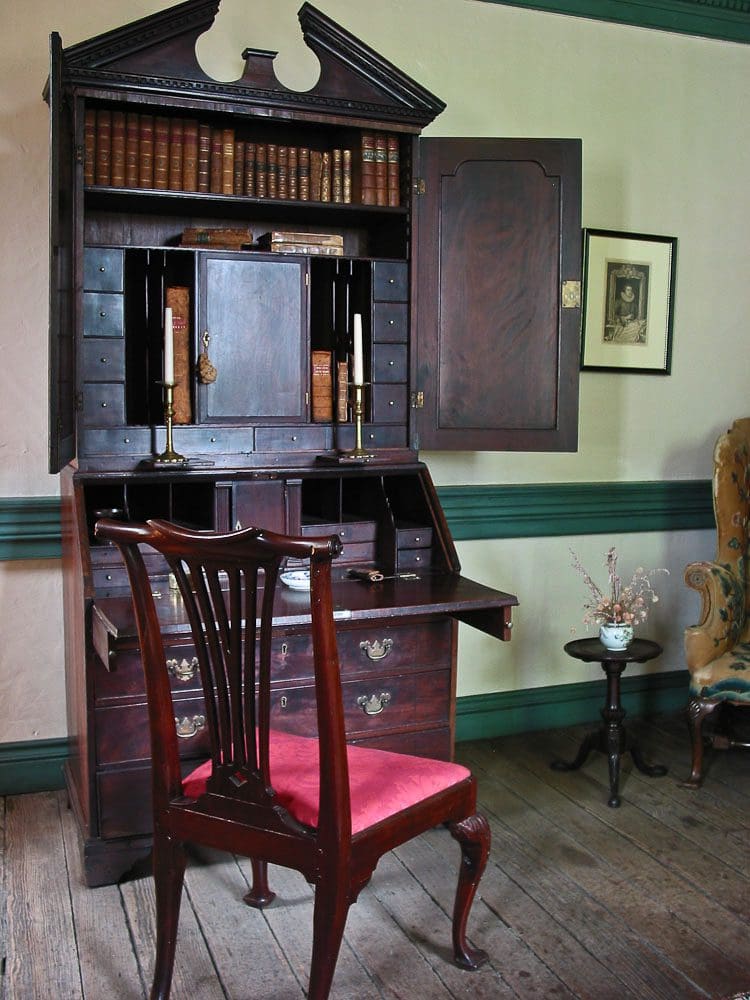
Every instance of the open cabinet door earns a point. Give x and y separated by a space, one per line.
498 294
61 329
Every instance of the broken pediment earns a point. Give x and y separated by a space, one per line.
158 52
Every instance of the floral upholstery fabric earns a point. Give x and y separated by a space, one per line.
718 648
380 783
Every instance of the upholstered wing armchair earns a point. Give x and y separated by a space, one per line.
717 650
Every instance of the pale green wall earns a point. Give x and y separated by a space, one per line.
663 119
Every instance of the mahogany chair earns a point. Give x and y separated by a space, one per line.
717 650
313 804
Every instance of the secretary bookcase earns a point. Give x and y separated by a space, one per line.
272 224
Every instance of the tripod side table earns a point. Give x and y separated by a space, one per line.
612 738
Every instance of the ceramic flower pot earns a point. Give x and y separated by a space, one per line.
615 635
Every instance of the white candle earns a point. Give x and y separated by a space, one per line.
168 347
358 374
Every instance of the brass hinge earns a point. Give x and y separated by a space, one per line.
571 295
78 401
417 400
79 154
419 185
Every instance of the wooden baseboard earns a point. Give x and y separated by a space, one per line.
34 766
503 713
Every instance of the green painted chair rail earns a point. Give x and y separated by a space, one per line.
30 526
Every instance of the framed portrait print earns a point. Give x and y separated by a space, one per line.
628 302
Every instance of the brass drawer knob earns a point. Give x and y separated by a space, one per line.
186 727
376 650
375 704
183 670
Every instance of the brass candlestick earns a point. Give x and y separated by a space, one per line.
169 454
358 409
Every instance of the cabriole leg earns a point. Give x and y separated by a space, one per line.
473 835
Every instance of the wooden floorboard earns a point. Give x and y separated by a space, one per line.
650 901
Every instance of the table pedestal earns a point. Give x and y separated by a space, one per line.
612 738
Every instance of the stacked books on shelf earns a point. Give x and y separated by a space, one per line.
324 244
142 150
217 238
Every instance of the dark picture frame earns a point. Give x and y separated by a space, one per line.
628 305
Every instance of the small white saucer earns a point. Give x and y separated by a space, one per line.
296 579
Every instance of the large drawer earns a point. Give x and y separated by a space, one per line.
124 678
371 706
364 651
122 733
369 651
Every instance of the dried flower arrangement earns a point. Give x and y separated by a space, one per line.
628 605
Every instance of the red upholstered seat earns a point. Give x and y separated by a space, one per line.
295 775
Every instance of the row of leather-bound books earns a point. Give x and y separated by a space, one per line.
140 150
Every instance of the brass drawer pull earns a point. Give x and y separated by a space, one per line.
375 704
183 670
376 650
186 727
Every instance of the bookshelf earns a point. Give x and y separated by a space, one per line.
262 280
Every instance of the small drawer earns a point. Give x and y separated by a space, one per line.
390 281
103 359
413 536
413 559
103 404
390 323
389 404
129 441
103 314
373 436
291 439
389 363
348 531
102 270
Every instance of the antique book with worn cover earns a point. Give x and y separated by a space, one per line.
381 169
161 152
176 140
322 386
204 157
227 161
103 146
363 167
190 155
146 152
117 178
178 298
132 134
394 179
89 146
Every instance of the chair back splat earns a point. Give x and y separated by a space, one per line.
307 802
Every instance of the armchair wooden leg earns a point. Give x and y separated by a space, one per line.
697 710
169 872
473 835
260 894
329 918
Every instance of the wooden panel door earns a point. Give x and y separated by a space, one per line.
499 232
255 312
